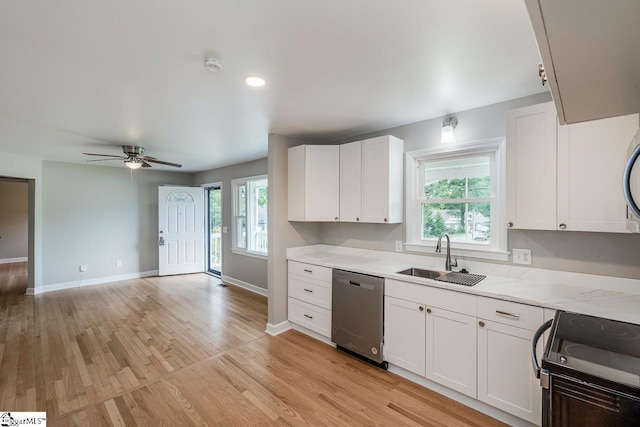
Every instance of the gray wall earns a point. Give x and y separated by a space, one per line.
597 253
282 233
14 219
237 266
96 215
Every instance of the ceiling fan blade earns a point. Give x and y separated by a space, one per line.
103 160
103 155
147 158
145 164
175 165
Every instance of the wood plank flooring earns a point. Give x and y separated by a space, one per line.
186 351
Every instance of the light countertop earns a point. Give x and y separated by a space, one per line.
603 296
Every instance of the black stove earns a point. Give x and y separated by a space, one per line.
590 372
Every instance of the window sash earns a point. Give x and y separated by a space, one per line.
247 214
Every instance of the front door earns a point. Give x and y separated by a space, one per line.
181 230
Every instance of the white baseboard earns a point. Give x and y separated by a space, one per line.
248 286
12 260
30 291
313 334
96 281
278 328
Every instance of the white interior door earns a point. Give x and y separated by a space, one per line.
181 230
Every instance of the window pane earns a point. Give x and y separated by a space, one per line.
242 200
260 238
464 222
241 230
457 178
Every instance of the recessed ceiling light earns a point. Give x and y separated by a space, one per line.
254 81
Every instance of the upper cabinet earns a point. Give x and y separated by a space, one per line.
314 183
358 182
566 177
590 54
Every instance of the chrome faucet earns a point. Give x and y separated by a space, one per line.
447 264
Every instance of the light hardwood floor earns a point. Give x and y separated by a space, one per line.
185 351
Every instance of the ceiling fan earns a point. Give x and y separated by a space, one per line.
134 158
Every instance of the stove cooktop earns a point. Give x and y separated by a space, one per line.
601 347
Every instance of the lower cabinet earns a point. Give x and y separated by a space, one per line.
451 350
404 334
505 376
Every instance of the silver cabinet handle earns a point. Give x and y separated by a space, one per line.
562 226
481 324
308 271
509 224
504 313
421 308
308 290
308 317
429 310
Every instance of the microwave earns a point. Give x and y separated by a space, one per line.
631 185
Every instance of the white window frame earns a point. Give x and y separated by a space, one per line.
497 249
249 215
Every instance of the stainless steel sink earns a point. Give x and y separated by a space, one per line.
419 272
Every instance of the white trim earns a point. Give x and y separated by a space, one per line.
30 291
12 260
312 334
96 281
470 402
497 252
250 253
468 253
212 184
278 328
248 286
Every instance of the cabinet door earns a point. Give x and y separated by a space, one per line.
531 167
382 180
451 350
322 183
351 182
404 334
505 376
591 160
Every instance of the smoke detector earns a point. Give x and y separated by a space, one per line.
212 64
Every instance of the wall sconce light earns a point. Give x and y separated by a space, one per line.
448 126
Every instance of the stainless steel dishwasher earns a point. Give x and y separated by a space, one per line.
357 315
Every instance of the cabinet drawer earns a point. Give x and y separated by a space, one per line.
313 291
511 313
310 316
312 271
432 296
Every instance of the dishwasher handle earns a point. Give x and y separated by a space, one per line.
351 282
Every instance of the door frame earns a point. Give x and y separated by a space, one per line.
207 212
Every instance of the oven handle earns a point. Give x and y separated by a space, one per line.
534 343
626 182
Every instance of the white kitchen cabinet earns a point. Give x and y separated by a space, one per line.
351 182
371 176
531 167
314 183
382 180
566 177
590 53
309 301
591 160
505 376
451 350
404 334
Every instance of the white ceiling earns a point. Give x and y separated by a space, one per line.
81 75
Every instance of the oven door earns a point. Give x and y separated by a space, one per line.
571 402
631 185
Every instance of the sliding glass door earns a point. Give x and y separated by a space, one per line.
214 228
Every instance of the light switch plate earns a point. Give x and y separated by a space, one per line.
224 230
522 256
83 268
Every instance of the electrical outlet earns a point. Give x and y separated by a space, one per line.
119 263
522 256
398 245
83 268
224 230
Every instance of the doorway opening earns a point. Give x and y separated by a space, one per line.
213 200
15 232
